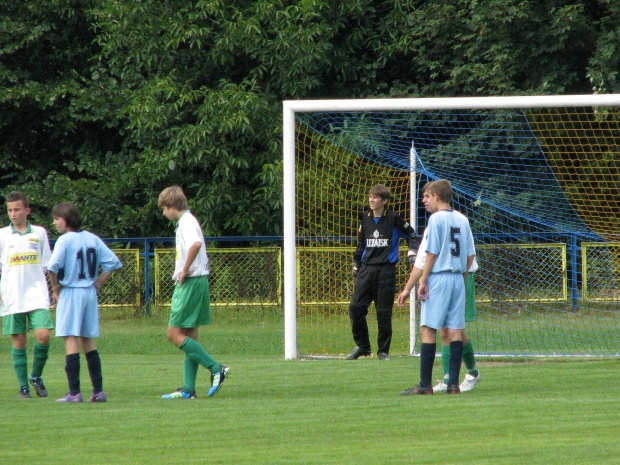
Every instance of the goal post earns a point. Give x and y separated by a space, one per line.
531 172
413 220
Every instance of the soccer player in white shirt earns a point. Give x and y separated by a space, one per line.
450 254
74 275
24 295
191 299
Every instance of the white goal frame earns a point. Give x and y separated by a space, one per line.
291 107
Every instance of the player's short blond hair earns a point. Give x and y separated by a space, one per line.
173 197
441 187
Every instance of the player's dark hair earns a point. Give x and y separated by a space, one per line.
442 187
380 191
16 197
70 212
173 197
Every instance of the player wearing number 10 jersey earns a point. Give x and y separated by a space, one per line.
74 274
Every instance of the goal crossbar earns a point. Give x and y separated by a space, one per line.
292 107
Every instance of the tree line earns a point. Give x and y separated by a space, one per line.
105 103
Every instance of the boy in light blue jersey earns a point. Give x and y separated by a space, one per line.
449 255
74 275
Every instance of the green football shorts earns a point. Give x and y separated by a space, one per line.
191 303
20 323
470 298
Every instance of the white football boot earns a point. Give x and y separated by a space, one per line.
469 382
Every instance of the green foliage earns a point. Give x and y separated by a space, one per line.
473 47
605 61
107 102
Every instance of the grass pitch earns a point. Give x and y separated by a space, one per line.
274 411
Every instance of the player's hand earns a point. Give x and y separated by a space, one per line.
402 297
56 294
410 259
356 268
182 275
422 291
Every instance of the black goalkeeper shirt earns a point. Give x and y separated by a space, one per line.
377 242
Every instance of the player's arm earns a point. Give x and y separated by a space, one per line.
412 239
414 276
55 265
431 258
102 278
359 250
470 260
192 253
56 286
471 251
109 264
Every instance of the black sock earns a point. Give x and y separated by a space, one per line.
456 357
94 369
72 368
427 358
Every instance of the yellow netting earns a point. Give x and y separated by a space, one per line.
541 189
582 146
332 189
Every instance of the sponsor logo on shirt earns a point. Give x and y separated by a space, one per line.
33 244
24 259
376 242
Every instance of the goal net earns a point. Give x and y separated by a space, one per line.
538 177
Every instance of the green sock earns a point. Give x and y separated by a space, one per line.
199 355
445 361
20 363
469 360
190 370
40 357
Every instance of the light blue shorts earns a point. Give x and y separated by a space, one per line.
77 312
445 305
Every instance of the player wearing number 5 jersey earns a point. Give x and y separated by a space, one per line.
450 253
473 376
74 275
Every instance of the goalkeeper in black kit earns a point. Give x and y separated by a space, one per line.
374 269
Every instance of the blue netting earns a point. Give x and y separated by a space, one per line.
493 158
542 288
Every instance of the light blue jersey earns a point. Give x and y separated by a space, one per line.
77 257
449 236
76 260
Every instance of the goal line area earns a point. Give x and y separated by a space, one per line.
538 177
